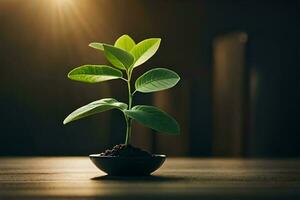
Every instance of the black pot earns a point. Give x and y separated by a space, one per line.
128 166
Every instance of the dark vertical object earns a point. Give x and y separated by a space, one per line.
229 94
175 102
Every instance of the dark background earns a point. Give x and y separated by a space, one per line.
42 40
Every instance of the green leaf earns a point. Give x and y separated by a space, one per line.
145 50
94 73
156 79
97 45
94 108
125 42
154 118
118 57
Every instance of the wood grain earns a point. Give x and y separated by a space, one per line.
76 177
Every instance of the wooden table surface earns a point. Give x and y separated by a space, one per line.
179 178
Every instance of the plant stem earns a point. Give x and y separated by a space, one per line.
128 120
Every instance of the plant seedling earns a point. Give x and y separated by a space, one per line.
125 55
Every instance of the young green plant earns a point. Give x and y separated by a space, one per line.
125 55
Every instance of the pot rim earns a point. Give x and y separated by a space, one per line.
127 157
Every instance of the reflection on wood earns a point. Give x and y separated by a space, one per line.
77 178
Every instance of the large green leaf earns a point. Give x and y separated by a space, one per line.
94 73
97 45
94 108
156 79
145 50
118 57
125 42
154 118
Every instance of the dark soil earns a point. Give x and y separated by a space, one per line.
122 150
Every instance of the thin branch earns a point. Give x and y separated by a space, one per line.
134 92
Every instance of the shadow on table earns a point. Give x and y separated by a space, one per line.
151 178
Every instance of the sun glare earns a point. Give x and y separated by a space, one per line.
65 20
63 3
61 22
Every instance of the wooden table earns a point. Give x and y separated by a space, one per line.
179 178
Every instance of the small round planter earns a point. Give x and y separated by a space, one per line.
128 166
